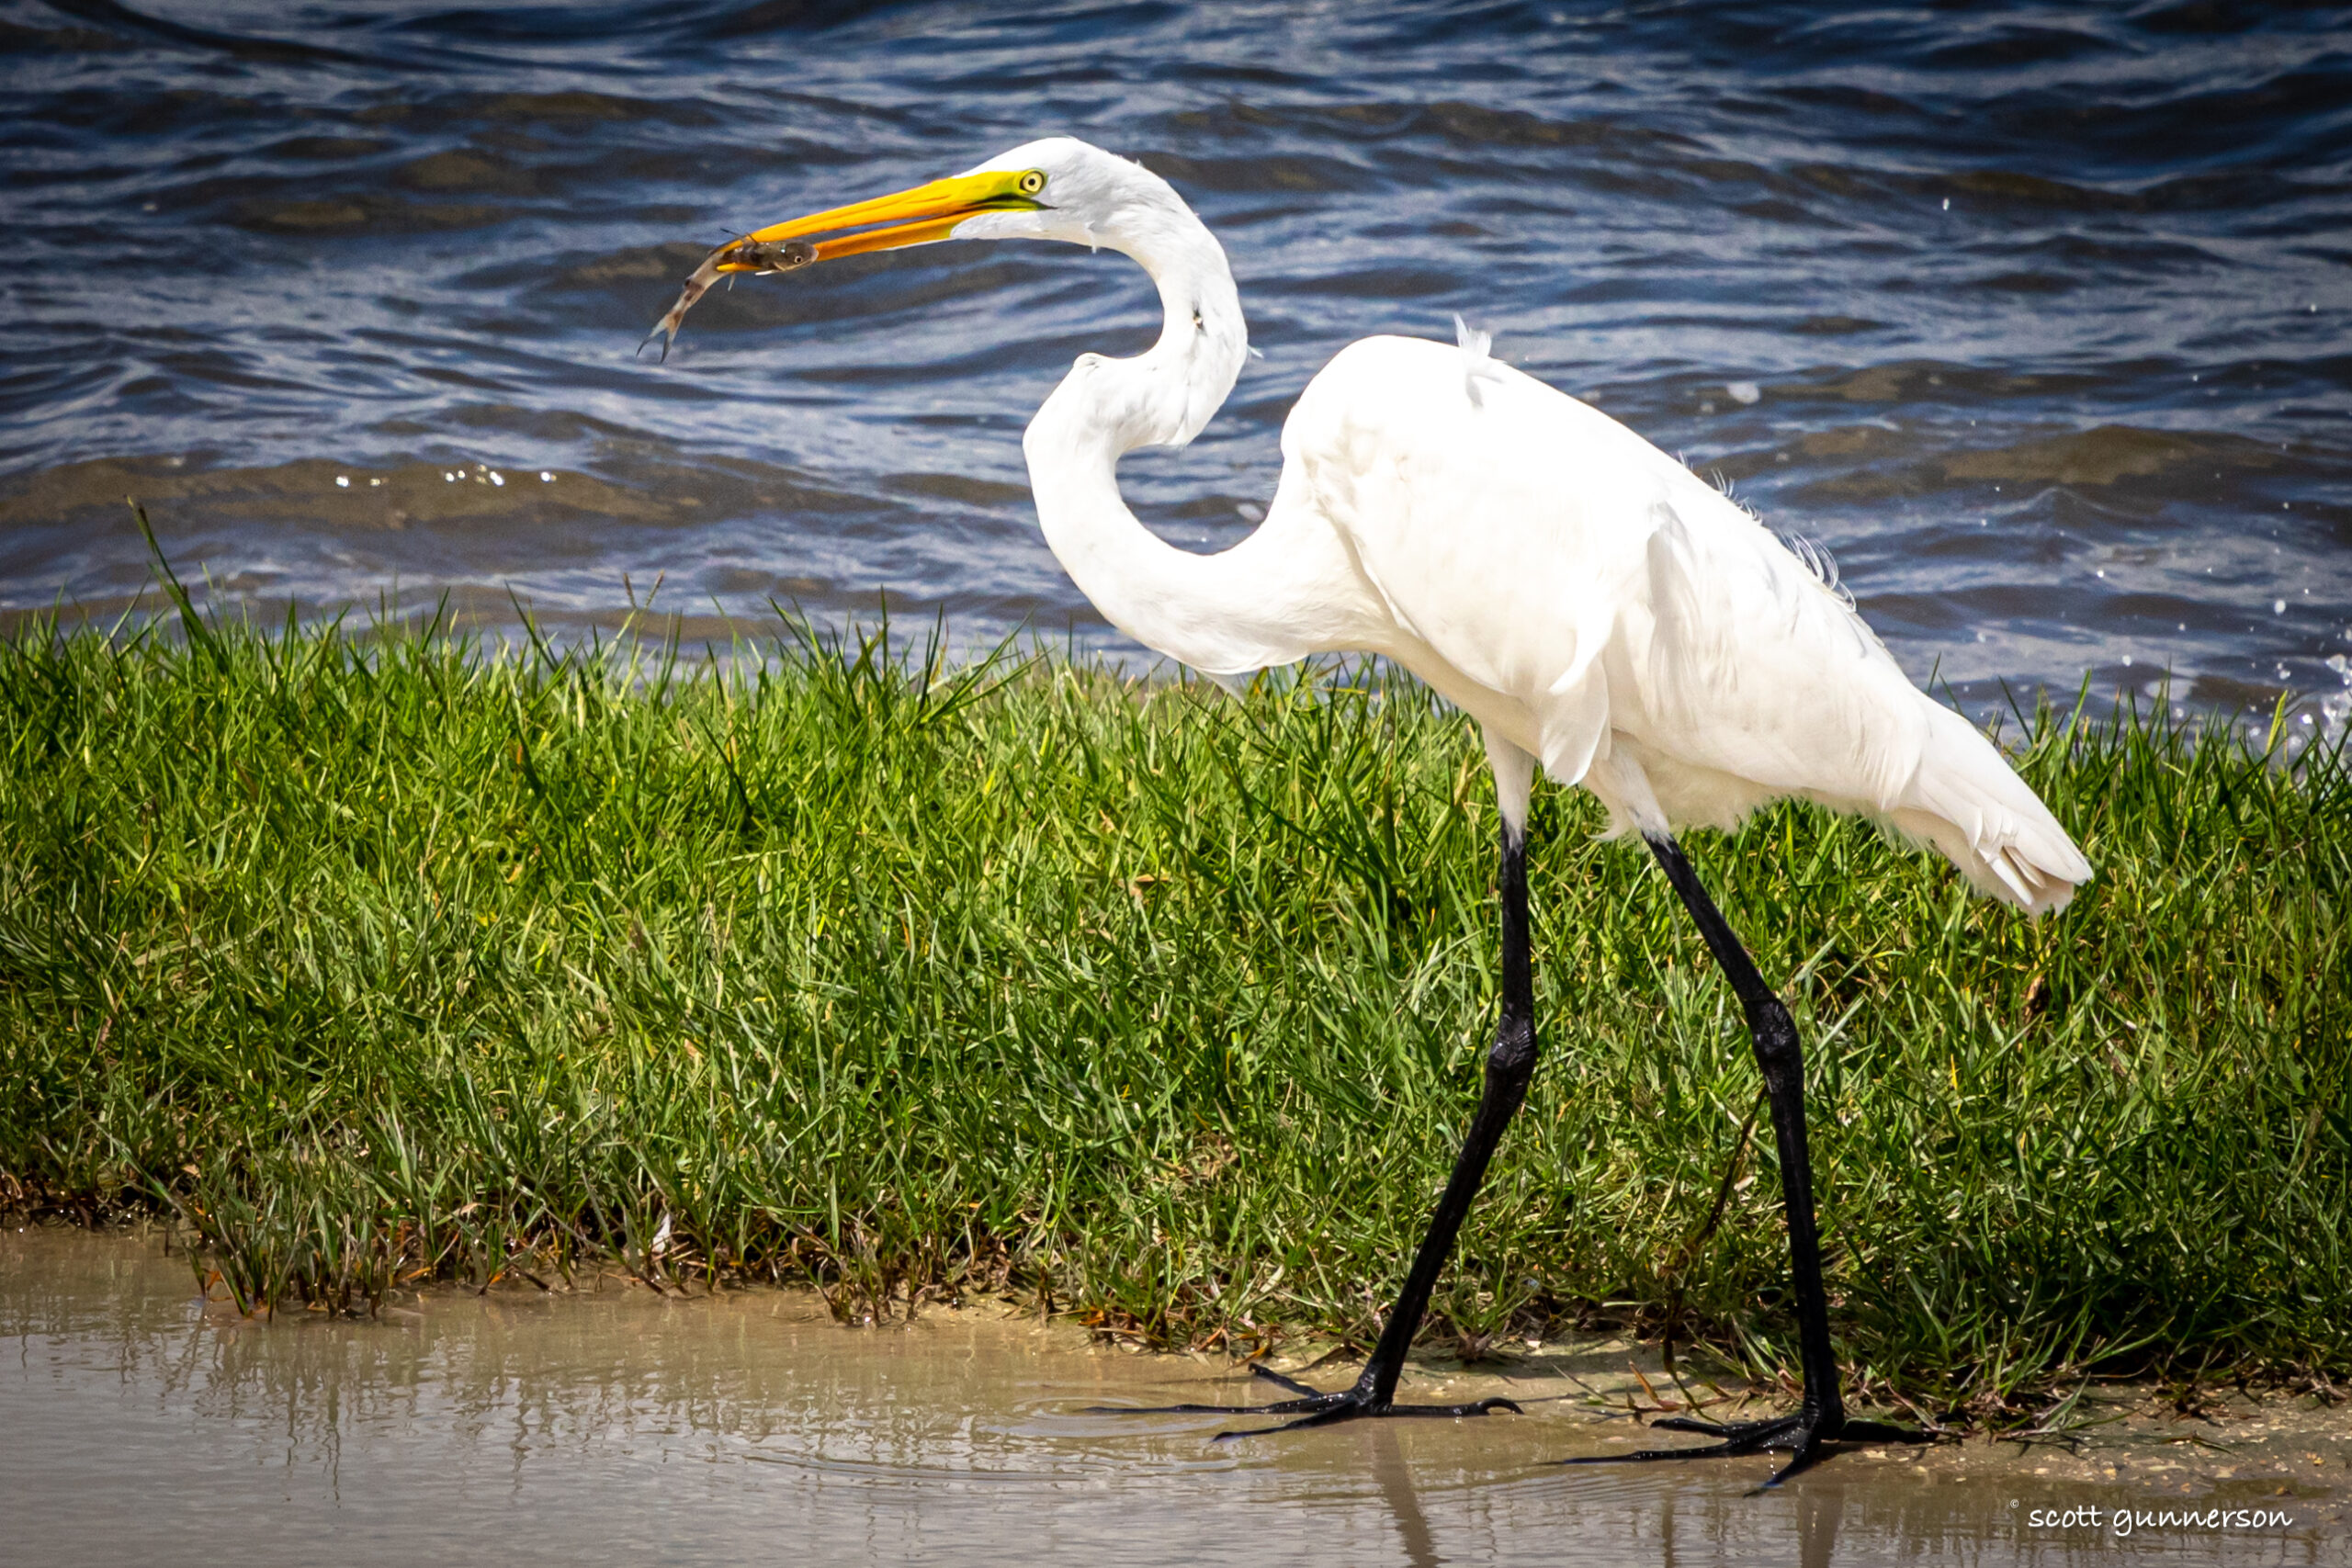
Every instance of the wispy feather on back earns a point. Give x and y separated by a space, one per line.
1821 563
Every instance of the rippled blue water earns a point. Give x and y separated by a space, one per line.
2036 316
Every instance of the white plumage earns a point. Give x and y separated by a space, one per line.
1597 608
1595 605
1592 602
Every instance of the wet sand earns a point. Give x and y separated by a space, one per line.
140 1423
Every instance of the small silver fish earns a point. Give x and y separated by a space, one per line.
746 255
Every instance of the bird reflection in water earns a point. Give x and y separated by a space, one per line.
1396 1482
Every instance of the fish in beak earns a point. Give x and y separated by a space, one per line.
917 217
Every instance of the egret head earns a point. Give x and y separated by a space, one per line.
1059 188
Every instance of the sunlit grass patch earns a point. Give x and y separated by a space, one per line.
387 957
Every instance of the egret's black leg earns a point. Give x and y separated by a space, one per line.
1821 1418
1510 1065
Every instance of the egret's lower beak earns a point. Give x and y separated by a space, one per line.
915 216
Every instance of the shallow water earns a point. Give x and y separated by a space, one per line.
2035 315
138 1423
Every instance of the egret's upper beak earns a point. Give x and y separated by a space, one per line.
916 217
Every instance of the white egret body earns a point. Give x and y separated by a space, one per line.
1603 613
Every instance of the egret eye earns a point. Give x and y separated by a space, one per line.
1032 182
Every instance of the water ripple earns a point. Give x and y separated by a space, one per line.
2039 315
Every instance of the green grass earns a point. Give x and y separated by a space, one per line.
379 958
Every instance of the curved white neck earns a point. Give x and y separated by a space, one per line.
1222 613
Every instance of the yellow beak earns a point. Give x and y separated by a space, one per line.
916 217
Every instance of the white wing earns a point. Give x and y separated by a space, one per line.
1589 599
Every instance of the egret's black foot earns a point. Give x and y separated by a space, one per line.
1805 1437
1310 1408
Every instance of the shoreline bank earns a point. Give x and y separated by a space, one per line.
1160 1008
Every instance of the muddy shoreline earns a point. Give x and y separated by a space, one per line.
137 1420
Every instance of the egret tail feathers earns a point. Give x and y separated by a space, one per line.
1969 803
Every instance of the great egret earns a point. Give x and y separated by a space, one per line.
1598 609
